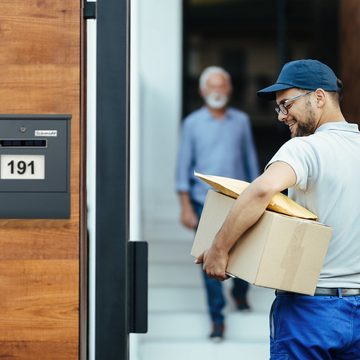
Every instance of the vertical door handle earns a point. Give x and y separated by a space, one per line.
138 286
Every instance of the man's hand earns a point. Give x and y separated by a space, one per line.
189 218
214 263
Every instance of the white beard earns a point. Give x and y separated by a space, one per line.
216 100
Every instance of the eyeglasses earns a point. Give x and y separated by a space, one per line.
285 106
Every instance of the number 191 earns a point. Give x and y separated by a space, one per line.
20 167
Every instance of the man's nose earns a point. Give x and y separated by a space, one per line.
281 116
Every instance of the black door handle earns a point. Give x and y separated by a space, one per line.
138 286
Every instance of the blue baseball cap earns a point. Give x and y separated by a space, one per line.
305 74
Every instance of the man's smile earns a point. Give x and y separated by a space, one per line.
290 124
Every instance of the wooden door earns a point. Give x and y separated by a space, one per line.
40 58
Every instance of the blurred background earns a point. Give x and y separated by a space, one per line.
172 41
252 39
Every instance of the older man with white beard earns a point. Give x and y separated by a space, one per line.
216 139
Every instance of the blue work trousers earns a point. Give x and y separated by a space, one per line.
214 288
315 327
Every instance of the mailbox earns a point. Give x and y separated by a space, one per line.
35 166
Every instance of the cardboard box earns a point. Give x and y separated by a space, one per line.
279 251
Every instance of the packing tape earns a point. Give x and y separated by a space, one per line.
293 256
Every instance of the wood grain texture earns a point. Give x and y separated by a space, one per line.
44 300
31 350
40 259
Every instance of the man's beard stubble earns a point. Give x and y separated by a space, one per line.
307 127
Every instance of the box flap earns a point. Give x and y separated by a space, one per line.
279 203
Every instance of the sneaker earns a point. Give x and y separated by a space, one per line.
242 304
217 333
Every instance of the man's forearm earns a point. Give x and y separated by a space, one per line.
246 211
252 203
188 216
185 200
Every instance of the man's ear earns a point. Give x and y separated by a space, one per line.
320 97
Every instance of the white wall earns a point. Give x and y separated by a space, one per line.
160 66
155 105
135 146
91 173
155 111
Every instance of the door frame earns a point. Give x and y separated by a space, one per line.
112 180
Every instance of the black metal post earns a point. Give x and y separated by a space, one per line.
112 185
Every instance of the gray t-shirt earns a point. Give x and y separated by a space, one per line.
327 168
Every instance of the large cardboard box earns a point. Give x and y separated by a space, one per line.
279 251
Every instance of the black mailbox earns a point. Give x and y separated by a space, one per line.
35 166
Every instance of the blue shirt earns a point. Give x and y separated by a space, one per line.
222 147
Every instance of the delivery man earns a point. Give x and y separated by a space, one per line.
320 166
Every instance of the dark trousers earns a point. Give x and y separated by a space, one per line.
214 288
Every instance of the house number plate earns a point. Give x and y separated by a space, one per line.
22 167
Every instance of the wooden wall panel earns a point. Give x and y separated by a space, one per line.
35 351
33 300
39 259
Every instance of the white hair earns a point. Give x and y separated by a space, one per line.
211 70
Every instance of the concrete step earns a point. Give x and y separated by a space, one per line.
166 229
193 298
170 251
179 323
177 299
240 326
175 274
203 350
